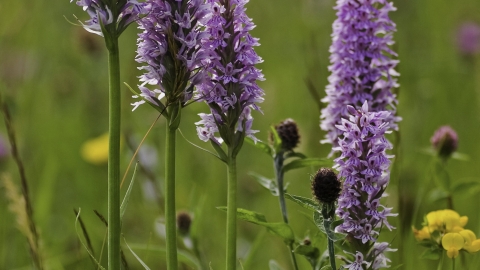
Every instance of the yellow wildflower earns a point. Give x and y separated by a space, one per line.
95 150
422 234
472 244
452 243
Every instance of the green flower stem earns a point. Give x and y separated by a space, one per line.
114 156
331 253
232 211
170 219
328 212
278 163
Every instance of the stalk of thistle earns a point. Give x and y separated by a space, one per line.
170 47
109 19
231 92
289 135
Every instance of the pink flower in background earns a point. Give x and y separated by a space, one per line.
468 38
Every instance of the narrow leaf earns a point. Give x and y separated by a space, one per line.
304 202
211 153
123 207
260 145
327 267
273 265
266 183
466 187
300 163
277 142
431 254
136 256
221 153
83 244
292 154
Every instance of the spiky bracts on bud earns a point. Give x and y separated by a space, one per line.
288 132
325 186
445 141
184 221
169 46
104 12
360 63
364 166
230 89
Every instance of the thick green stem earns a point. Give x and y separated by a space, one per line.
232 212
278 162
170 220
114 157
331 252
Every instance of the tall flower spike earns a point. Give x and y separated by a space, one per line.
360 64
231 88
364 164
169 46
103 13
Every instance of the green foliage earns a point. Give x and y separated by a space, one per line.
304 202
280 229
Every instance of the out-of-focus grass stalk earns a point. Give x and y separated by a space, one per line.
32 233
231 211
114 152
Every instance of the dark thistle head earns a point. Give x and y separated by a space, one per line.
445 141
184 220
288 133
325 186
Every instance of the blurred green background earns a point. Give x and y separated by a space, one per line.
53 76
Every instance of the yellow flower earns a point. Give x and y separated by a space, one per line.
95 150
472 244
452 243
446 220
422 234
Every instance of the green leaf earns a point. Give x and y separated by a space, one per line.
291 154
437 194
318 219
183 256
300 163
280 229
308 251
304 202
466 187
260 145
273 265
123 207
136 256
460 156
431 254
174 119
221 153
277 142
83 244
267 183
327 267
325 225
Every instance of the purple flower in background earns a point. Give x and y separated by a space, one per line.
364 166
100 11
468 38
4 149
445 141
169 46
361 68
231 88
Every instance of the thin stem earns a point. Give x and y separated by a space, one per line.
170 220
453 263
114 156
331 252
232 212
278 163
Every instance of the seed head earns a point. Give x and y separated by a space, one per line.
288 133
445 141
325 186
184 220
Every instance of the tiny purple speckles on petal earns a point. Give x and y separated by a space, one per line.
364 165
361 69
230 85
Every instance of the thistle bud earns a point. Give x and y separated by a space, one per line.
184 220
288 133
445 141
325 186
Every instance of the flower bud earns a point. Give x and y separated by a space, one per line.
288 133
184 220
445 141
325 186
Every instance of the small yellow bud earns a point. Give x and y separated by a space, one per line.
422 234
